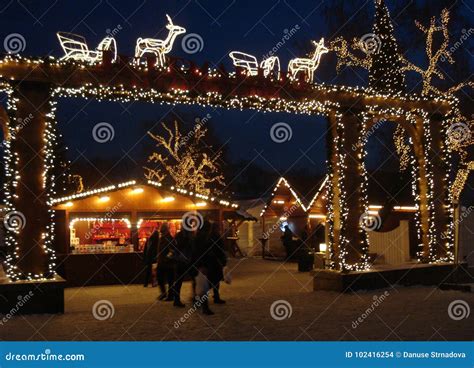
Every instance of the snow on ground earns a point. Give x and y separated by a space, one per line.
415 313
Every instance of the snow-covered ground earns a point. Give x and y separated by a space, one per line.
415 313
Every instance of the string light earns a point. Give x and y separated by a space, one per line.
132 183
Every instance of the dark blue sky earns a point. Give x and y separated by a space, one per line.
251 26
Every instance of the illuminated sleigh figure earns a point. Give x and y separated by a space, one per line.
159 47
306 65
75 48
250 65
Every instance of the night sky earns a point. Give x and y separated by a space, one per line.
254 27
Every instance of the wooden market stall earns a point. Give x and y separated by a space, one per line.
283 211
101 233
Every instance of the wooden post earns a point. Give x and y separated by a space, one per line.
440 196
30 195
346 164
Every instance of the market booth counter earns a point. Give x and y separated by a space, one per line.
101 234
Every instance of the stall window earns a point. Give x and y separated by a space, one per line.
100 235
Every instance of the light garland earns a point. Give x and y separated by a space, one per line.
92 192
132 183
99 219
287 185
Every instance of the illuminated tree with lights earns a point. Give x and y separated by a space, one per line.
186 160
379 53
432 73
385 72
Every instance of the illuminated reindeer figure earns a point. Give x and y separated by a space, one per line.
159 47
308 66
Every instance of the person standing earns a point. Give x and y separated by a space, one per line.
202 262
150 254
218 261
287 240
165 267
182 258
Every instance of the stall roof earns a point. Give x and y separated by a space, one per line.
282 183
131 183
381 185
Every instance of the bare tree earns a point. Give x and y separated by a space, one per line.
186 160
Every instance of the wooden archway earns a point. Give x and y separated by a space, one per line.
35 84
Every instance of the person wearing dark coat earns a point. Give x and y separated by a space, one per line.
287 240
182 257
165 268
150 254
218 261
201 260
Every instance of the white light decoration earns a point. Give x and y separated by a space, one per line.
283 181
308 65
271 65
167 199
249 63
133 183
157 47
92 192
99 219
245 61
75 48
